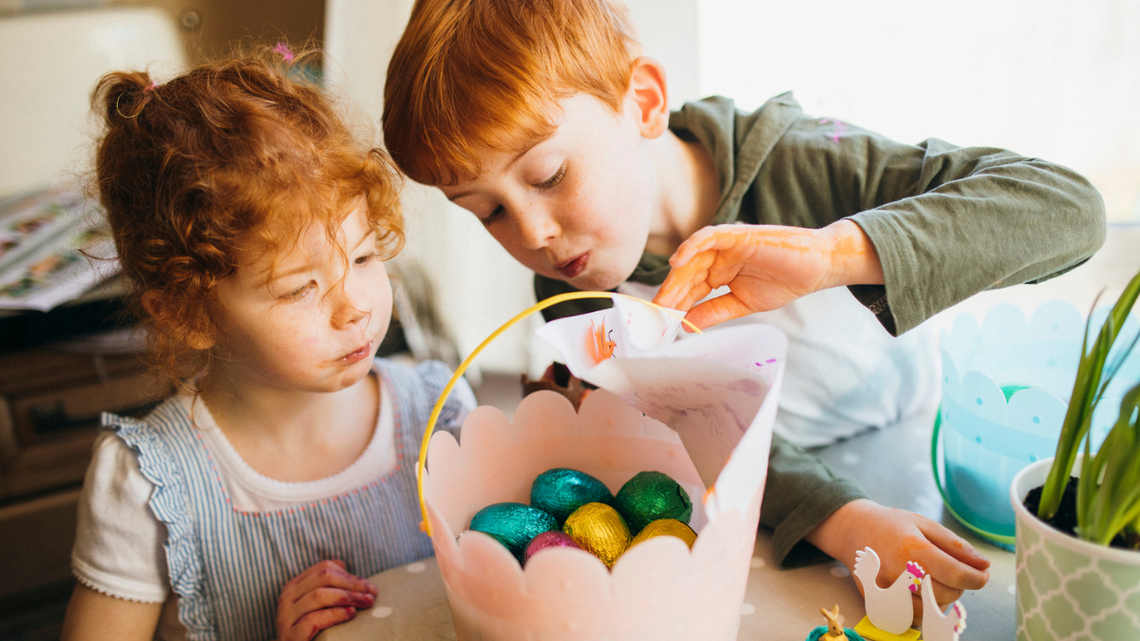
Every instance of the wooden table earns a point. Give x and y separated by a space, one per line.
893 465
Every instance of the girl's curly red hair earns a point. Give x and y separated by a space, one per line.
234 155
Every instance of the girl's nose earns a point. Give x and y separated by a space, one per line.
348 306
537 228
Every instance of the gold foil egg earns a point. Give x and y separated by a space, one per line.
666 527
598 528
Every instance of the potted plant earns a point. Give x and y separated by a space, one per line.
1078 526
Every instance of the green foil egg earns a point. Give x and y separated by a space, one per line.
513 525
598 528
649 496
560 491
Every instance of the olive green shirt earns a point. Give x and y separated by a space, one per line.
947 222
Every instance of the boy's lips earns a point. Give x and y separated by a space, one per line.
574 266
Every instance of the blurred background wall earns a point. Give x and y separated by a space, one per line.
1052 78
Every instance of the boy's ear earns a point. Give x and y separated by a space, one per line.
647 88
153 302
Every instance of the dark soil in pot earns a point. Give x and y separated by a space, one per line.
1065 519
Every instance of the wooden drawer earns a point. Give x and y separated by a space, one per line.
50 403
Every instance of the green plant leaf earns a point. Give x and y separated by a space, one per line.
1087 391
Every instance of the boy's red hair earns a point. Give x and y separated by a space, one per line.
471 74
230 159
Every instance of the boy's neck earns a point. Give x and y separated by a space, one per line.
689 192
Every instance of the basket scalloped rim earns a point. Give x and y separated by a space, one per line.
1053 325
660 566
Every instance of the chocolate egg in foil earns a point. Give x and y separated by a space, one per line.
598 528
649 496
666 527
513 524
552 539
560 491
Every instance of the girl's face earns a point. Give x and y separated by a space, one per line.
576 206
306 322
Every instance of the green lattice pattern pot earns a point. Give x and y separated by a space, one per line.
1068 589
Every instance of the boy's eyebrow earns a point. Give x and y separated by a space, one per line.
505 167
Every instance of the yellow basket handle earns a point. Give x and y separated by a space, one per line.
425 525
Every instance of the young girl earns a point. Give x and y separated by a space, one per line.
250 504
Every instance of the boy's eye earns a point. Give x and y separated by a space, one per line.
365 258
553 180
300 292
495 214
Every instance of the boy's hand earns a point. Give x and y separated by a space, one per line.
322 596
765 267
898 536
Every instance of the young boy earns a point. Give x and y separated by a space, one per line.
543 120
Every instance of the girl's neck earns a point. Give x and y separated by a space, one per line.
689 190
292 435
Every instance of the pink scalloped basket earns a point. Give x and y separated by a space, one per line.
658 590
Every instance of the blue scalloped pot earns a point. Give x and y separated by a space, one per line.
1068 589
1005 385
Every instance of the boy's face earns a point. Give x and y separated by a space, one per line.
306 322
576 206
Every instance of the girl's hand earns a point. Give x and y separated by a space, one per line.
898 536
320 597
765 267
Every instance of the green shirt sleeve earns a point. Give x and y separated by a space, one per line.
946 221
801 491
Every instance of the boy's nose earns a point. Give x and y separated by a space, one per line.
537 229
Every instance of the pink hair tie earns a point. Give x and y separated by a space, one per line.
284 50
153 84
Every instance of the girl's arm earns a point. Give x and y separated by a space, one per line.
92 616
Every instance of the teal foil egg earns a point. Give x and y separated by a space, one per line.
650 496
560 491
513 525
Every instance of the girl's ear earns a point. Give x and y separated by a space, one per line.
153 302
647 88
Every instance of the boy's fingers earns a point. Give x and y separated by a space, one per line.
683 287
953 544
950 572
702 240
717 310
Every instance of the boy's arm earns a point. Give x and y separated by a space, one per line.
946 222
800 493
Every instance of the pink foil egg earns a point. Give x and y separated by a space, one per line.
551 539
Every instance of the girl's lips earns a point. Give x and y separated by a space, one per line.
574 266
359 354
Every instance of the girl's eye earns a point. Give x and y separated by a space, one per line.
553 180
495 214
300 292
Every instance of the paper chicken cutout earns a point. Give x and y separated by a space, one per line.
936 625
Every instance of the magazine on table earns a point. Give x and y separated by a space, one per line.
54 246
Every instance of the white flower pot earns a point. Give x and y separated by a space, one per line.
1069 589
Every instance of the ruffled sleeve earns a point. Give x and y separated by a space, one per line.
118 544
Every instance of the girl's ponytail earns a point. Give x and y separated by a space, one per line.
122 96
